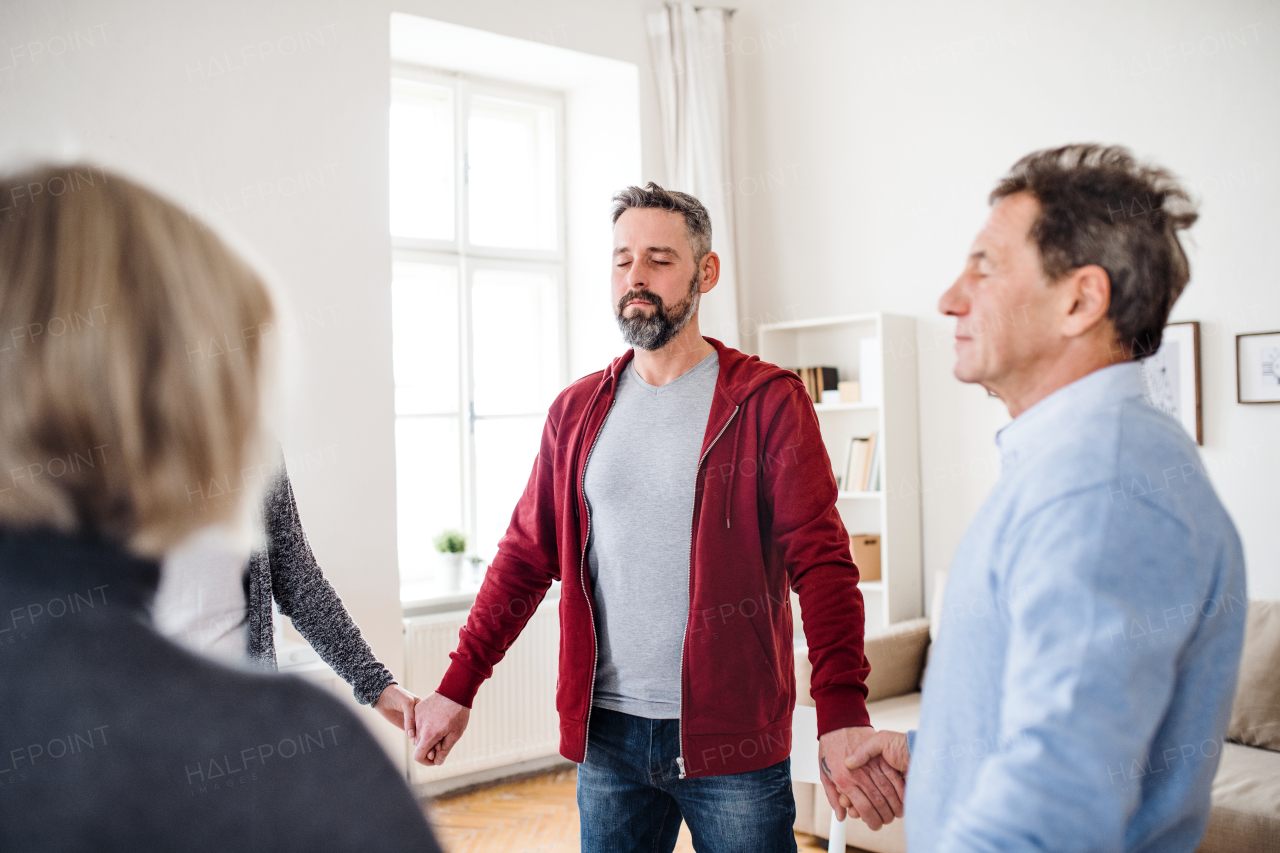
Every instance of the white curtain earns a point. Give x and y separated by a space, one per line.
690 48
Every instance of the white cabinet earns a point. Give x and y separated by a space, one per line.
893 512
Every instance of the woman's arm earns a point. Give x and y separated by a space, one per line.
309 600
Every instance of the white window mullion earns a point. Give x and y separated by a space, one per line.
467 431
468 414
461 100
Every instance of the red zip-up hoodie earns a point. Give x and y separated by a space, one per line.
764 521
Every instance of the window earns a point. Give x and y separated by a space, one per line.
477 282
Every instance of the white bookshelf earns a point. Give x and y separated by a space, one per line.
894 511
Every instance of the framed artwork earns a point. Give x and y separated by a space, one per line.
1171 377
1258 367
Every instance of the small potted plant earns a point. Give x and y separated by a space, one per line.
451 544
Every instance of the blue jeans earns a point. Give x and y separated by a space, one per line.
631 798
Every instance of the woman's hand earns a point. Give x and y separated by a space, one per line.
397 705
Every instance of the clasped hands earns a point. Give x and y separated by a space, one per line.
433 722
864 773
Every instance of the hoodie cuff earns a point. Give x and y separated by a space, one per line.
460 684
840 707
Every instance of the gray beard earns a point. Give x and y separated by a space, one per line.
656 331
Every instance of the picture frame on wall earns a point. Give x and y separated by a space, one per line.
1171 377
1258 367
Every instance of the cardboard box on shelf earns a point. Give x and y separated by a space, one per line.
866 555
849 392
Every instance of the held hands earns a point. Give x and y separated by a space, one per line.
885 749
396 704
870 788
440 722
434 723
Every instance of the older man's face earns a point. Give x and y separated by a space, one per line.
1002 301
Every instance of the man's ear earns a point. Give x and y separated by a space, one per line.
708 272
1086 298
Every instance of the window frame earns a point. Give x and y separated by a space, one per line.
464 88
468 258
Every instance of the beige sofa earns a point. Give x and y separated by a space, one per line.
1246 792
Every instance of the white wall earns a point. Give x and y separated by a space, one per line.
231 108
870 134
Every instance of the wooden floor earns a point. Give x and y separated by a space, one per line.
537 814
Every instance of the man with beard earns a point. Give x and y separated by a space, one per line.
679 495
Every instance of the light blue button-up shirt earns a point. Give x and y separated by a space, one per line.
1082 679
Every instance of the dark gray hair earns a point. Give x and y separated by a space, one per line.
1098 205
697 221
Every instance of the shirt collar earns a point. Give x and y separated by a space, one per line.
1067 407
45 561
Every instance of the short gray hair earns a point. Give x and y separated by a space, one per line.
1100 205
697 221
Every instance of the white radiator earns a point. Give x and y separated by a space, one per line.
514 714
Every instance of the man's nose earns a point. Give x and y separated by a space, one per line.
953 301
635 277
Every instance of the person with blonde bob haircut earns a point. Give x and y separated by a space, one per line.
105 288
114 737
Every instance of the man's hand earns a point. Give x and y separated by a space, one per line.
873 791
890 747
440 722
396 705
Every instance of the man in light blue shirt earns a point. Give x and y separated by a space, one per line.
1082 679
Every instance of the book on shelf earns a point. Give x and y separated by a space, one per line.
872 447
851 461
859 469
817 380
873 472
854 461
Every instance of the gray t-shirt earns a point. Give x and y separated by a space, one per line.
639 485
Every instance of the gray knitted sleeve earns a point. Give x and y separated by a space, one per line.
308 599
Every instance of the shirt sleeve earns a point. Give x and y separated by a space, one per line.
516 581
1081 702
311 602
800 490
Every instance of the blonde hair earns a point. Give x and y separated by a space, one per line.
132 362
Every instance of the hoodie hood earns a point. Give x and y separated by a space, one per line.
741 375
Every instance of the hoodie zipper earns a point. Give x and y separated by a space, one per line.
689 581
582 577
